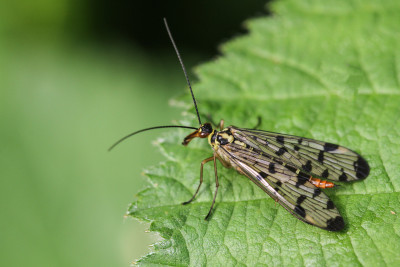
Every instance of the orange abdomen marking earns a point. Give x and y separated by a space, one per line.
321 183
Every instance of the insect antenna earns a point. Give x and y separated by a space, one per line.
183 68
148 129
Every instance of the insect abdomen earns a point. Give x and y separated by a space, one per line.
321 183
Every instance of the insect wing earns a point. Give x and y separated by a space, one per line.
318 158
290 189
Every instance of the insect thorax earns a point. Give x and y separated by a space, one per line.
220 138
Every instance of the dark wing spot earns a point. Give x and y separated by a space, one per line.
343 177
301 199
361 167
271 168
291 168
300 181
317 192
321 156
303 176
296 148
281 151
300 210
335 224
277 160
325 174
280 139
330 205
279 183
300 141
307 167
263 174
330 147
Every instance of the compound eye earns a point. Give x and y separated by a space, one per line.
207 128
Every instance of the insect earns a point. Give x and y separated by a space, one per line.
290 169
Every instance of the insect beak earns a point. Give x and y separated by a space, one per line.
197 133
190 137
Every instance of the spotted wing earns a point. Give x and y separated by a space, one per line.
318 158
288 187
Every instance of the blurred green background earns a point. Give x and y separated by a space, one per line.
75 76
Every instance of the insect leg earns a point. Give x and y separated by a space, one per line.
216 185
201 179
258 122
221 125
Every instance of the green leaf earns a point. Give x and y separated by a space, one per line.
328 70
